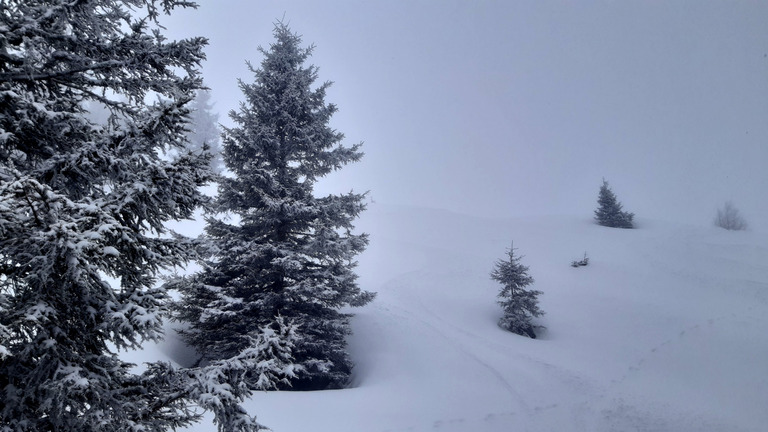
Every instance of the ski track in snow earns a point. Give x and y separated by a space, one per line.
462 340
637 366
461 347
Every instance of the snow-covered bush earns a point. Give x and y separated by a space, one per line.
582 262
730 218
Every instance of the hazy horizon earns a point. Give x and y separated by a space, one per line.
521 108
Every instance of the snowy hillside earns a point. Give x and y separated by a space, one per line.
665 330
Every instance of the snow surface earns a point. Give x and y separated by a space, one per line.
664 330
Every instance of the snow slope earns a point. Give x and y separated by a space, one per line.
665 330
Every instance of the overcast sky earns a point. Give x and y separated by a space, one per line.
509 108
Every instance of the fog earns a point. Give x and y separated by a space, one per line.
512 108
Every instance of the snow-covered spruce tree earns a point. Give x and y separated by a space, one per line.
204 129
729 218
520 304
82 201
287 261
609 211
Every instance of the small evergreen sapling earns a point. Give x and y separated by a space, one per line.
520 304
609 212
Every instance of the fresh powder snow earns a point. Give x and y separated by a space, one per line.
664 330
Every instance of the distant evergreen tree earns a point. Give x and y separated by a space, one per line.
204 129
286 263
520 304
609 211
82 200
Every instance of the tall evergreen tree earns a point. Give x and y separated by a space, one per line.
520 304
81 201
287 262
204 129
609 212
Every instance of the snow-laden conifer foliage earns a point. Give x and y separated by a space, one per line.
520 304
609 212
285 263
82 201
